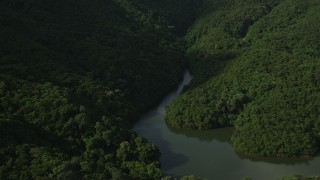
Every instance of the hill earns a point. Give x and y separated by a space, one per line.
257 67
75 75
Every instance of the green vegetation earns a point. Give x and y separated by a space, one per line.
75 75
256 66
300 177
191 177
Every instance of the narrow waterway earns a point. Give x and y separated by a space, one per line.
209 154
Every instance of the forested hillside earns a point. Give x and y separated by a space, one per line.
74 75
256 66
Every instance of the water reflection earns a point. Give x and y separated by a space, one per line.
209 154
150 127
222 134
277 160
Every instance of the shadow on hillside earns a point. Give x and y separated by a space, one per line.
207 67
17 133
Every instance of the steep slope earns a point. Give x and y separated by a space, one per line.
74 75
256 66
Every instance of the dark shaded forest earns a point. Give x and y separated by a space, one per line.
257 67
75 75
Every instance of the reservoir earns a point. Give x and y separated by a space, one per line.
209 154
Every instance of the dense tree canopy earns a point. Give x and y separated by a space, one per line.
256 66
74 75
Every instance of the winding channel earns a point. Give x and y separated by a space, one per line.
209 154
